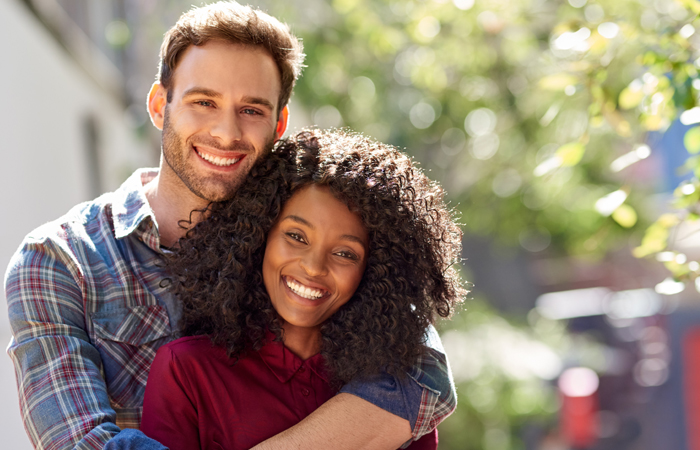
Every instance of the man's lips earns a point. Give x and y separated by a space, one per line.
222 160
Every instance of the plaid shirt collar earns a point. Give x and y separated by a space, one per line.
131 213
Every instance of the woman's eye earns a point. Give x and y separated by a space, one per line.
348 255
297 237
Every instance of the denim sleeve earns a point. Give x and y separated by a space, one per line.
130 439
424 398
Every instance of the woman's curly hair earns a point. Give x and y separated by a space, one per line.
408 280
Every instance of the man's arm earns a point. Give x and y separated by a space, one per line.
345 422
382 413
63 396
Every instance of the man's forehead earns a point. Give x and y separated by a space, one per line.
225 68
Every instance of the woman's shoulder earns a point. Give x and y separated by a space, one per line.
190 347
194 357
189 342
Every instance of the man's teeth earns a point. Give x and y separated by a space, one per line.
218 161
304 291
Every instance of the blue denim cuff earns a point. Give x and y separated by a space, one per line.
399 396
131 439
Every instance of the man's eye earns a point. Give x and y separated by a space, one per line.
250 111
204 103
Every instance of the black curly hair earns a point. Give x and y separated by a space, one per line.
409 278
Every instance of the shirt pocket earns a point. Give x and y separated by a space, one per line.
127 339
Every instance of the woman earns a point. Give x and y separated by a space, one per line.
328 265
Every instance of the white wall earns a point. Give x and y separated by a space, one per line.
44 100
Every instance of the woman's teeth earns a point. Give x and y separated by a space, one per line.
304 291
218 161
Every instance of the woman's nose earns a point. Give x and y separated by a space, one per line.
314 264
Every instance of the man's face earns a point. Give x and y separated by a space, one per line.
221 118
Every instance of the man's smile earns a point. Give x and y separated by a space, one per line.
218 160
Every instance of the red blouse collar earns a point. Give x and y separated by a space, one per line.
285 364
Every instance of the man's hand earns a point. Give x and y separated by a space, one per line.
345 422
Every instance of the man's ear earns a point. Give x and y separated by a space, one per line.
157 99
282 122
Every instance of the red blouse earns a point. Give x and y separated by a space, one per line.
197 398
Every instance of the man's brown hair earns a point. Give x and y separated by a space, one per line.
238 24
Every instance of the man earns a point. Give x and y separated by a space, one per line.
87 295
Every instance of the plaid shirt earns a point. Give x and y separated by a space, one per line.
88 311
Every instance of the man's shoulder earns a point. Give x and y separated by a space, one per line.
94 217
76 222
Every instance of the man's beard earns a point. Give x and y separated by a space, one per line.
213 188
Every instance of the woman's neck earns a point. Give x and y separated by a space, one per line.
302 341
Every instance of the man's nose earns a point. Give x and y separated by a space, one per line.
227 128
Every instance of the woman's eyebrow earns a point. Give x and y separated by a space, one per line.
300 220
353 238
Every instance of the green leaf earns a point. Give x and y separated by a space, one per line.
557 81
668 220
654 241
625 216
571 153
691 140
656 237
630 97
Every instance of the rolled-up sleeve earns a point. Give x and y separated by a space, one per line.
425 397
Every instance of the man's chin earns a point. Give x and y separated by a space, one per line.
219 193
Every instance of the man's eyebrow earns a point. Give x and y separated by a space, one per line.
214 94
259 101
202 91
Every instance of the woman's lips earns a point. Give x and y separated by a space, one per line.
304 291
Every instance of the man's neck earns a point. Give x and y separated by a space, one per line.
173 205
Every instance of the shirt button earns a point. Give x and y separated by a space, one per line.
305 392
302 369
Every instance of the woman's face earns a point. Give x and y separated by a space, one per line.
315 257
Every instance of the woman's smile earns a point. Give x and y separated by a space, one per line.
304 291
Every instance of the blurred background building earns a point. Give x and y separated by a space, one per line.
66 139
556 126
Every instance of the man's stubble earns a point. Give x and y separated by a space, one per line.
212 188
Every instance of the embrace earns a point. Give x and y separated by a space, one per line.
251 292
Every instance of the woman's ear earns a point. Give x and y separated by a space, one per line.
157 99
